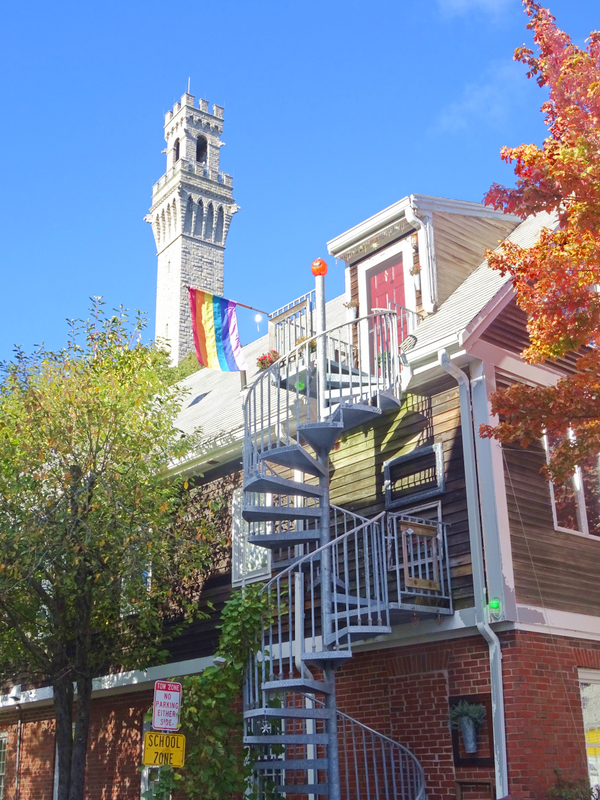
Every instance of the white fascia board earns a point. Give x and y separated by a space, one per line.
134 680
464 207
557 623
419 357
395 212
368 227
457 625
206 453
488 314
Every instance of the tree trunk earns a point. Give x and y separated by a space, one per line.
82 722
63 712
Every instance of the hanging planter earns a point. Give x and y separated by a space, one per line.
352 307
415 271
468 718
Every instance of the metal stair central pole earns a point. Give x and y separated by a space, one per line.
321 344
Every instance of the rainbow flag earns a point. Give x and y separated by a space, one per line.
214 323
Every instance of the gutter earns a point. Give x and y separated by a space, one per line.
479 588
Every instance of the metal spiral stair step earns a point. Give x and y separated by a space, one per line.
349 599
296 764
279 513
320 435
366 612
351 415
288 738
324 658
296 684
358 632
387 401
294 456
274 484
288 713
276 541
303 788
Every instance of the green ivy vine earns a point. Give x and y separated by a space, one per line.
216 764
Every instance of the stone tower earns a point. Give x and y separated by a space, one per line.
192 206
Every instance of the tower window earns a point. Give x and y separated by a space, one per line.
201 149
176 150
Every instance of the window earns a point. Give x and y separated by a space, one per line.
414 477
3 740
176 151
201 149
249 561
589 685
576 502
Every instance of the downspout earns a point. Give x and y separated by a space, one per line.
479 589
426 256
18 756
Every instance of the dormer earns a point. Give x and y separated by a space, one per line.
415 253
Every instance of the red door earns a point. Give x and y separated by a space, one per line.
386 286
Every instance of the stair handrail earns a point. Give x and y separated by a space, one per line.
362 600
380 313
362 361
337 540
420 795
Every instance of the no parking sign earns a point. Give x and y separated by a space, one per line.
167 702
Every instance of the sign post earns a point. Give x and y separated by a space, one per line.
167 702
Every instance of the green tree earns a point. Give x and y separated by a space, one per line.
101 552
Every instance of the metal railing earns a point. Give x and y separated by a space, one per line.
407 319
418 564
357 361
341 587
375 767
292 323
371 765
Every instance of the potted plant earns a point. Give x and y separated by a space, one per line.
352 306
312 343
468 718
415 271
264 362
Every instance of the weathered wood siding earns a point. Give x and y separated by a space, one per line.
552 568
460 244
509 331
200 639
357 480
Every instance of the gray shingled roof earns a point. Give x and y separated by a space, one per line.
215 401
473 294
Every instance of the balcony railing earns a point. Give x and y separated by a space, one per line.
292 323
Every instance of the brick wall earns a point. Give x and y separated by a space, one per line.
114 750
401 692
404 693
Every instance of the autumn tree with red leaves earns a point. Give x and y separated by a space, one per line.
557 279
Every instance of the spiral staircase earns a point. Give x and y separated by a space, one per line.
335 579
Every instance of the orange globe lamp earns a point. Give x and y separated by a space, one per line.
318 267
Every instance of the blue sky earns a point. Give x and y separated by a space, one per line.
333 111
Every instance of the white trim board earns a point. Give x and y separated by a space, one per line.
119 683
557 623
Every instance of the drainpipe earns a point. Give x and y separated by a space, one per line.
426 256
18 756
479 589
